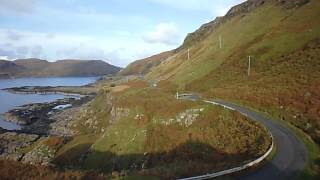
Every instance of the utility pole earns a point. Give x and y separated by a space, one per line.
220 42
188 53
249 66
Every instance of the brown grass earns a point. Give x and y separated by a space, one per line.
10 170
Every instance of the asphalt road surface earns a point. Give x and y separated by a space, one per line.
291 155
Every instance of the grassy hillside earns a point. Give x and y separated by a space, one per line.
283 39
144 131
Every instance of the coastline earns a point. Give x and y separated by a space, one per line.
46 127
29 114
36 118
62 90
42 123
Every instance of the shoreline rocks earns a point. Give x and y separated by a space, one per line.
41 154
37 118
45 126
79 91
12 144
41 122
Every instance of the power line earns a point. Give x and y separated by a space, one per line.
249 66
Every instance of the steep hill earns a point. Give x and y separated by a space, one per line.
144 66
6 67
42 68
283 40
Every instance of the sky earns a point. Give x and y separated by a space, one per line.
116 31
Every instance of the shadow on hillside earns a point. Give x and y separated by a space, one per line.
188 159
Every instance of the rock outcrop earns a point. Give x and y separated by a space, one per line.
185 118
41 154
12 145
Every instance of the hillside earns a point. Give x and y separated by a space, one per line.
41 68
7 67
144 66
132 131
32 64
283 40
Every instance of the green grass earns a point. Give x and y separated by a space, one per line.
126 133
70 153
98 112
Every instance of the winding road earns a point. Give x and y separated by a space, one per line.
291 154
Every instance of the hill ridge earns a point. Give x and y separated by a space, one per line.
33 67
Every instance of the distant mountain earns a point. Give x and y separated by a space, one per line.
42 68
7 67
32 64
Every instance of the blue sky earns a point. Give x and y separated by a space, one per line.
117 31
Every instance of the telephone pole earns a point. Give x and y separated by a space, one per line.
188 53
249 66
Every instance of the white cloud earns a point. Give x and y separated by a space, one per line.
4 57
117 51
164 33
35 44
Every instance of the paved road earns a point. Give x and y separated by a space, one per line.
291 156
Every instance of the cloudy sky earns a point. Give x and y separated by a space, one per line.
117 31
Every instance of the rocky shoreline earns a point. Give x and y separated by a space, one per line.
46 127
44 90
43 125
36 118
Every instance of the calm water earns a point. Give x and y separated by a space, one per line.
10 101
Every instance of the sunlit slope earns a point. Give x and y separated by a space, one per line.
283 40
266 32
144 66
